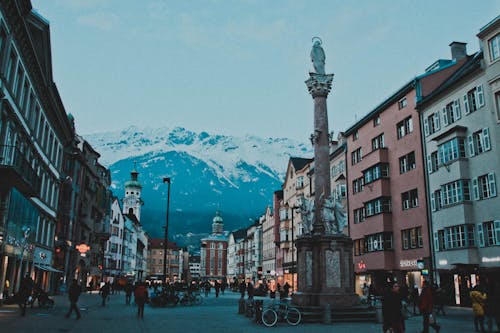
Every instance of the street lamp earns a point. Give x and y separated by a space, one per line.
165 242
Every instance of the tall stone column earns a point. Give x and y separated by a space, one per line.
325 263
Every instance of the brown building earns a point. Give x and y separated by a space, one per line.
155 260
386 185
214 252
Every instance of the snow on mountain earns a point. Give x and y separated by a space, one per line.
222 153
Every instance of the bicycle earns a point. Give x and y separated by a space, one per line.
281 311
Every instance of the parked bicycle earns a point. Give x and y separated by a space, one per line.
281 311
191 299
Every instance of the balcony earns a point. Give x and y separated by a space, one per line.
16 171
380 155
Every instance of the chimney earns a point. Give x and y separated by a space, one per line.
458 50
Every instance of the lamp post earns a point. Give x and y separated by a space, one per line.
165 242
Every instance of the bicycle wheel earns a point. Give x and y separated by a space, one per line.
198 300
293 316
269 317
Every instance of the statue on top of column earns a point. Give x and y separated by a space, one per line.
318 56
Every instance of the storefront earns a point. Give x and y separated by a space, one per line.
46 276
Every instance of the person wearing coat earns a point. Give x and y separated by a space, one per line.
392 310
73 294
426 306
478 298
141 297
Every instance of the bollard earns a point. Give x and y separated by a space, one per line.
327 314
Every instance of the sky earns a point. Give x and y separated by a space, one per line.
238 67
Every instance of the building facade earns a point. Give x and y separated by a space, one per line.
461 144
213 252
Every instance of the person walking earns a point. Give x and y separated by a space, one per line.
426 305
105 290
414 299
286 289
140 297
217 289
207 288
73 294
250 289
242 289
129 288
24 293
478 298
392 308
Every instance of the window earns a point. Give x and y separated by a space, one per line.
412 238
11 68
404 127
359 247
355 135
356 156
409 199
407 163
455 192
402 103
299 183
358 185
433 162
432 124
377 206
479 142
436 200
494 44
458 236
379 242
376 172
451 112
376 121
497 104
378 142
484 186
489 233
451 150
359 215
474 99
340 191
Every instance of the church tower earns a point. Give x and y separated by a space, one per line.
132 202
218 224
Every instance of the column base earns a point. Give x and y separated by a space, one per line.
335 300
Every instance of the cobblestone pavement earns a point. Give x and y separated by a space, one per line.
215 315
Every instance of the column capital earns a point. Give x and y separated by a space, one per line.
319 85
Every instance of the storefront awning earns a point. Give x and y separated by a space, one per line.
48 268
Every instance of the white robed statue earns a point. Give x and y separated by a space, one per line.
333 215
318 56
306 209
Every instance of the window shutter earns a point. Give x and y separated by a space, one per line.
466 104
429 164
475 188
433 202
496 226
480 95
445 117
456 109
492 184
486 139
480 234
470 141
437 121
426 126
436 242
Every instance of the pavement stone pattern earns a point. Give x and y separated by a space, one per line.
214 315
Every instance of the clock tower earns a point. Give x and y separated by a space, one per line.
132 202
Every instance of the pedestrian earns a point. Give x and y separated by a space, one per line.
24 293
414 299
140 297
223 286
426 306
286 289
6 288
129 288
478 298
105 290
217 289
242 289
250 289
73 294
440 300
392 308
207 288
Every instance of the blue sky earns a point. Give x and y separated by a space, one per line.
238 67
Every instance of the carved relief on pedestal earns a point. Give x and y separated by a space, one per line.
309 269
332 264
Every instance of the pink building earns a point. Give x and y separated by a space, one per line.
386 186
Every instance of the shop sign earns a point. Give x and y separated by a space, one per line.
406 263
42 256
361 265
443 262
82 248
493 259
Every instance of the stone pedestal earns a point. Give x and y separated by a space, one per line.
325 271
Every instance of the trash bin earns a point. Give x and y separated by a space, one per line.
259 305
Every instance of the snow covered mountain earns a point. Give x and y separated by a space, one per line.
209 172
